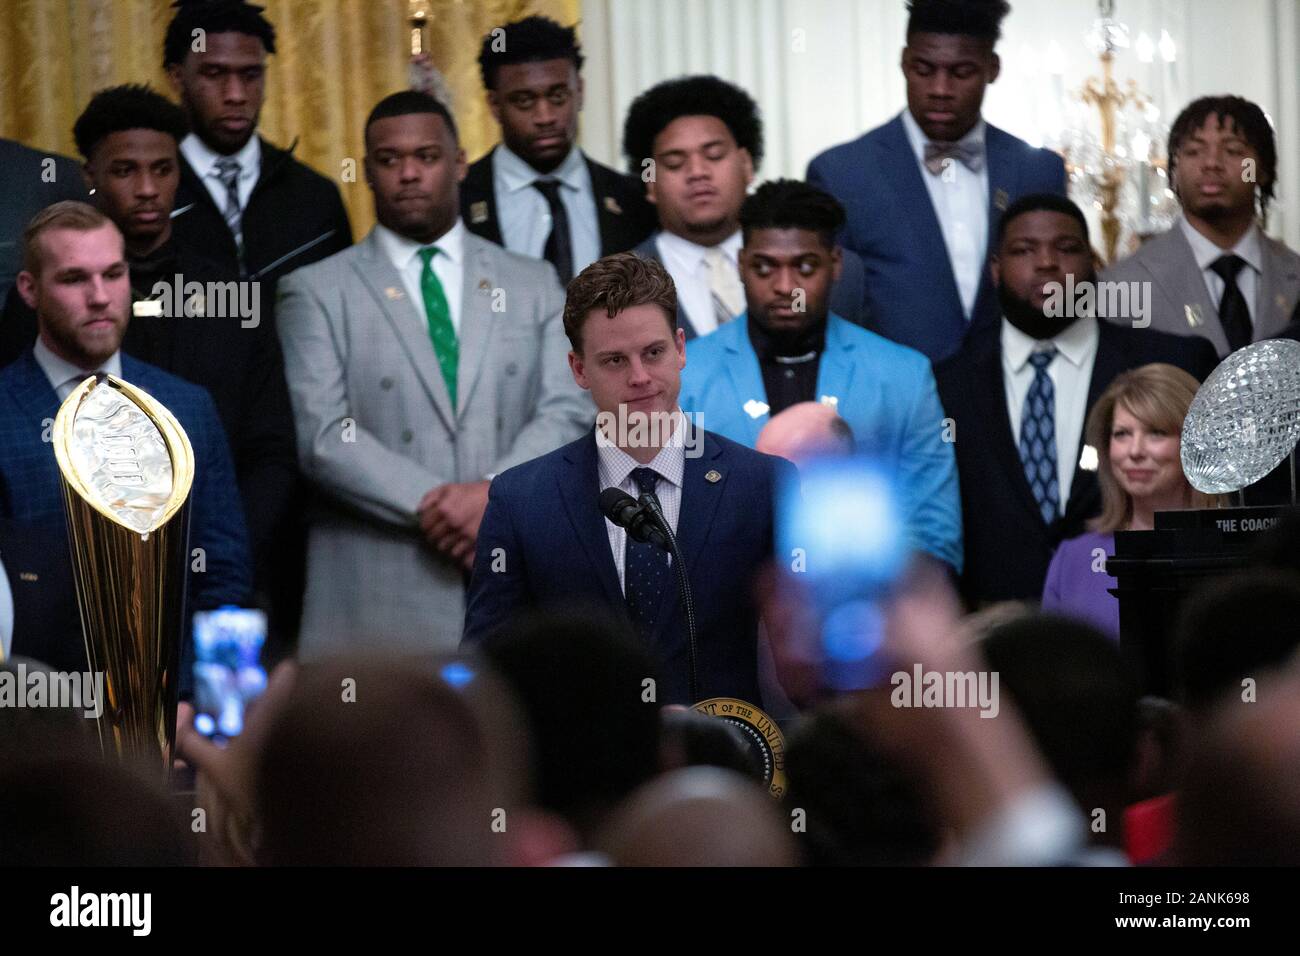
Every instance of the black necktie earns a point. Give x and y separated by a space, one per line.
645 568
1234 314
559 248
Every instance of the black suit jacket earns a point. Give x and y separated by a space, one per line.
1008 546
33 180
622 213
544 514
294 217
47 625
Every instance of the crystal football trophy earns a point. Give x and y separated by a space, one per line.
126 467
1245 419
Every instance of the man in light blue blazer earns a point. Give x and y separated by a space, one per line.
924 192
789 347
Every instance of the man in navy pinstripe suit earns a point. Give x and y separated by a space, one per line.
75 277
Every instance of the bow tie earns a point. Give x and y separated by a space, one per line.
969 153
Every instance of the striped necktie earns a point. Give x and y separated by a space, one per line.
228 173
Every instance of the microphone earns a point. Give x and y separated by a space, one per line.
646 522
622 509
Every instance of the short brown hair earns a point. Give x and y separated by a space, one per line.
616 283
1157 395
68 214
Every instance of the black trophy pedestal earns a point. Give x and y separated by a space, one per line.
1155 571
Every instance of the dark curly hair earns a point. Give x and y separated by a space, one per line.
530 40
213 16
131 106
792 204
652 111
1252 126
976 18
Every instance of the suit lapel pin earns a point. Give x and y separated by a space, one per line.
832 400
484 285
1088 458
611 205
1001 200
478 212
393 293
756 409
712 476
1193 313
1280 299
33 576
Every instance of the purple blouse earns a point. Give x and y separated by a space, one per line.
1075 589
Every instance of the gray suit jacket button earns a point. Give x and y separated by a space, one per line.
407 436
385 383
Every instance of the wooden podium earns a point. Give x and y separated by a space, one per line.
1155 570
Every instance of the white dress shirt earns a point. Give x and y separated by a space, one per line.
65 376
203 160
448 265
1071 375
685 262
524 215
614 468
1206 252
962 207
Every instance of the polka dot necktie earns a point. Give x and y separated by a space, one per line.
1038 437
645 568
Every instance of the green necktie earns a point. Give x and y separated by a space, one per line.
441 332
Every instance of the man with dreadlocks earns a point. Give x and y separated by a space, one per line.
1215 273
924 191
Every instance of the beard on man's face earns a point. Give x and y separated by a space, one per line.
1032 319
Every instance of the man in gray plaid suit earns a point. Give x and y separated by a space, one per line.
421 362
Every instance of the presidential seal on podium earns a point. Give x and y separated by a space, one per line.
763 738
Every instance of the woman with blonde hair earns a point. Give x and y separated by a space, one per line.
1136 430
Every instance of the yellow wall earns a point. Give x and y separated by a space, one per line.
334 60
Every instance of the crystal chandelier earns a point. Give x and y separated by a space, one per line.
1113 138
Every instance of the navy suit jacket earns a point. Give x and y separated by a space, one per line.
847 300
1008 545
912 294
544 517
29 475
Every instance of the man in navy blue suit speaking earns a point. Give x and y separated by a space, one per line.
924 192
545 541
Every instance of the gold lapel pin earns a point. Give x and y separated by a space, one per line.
393 293
1193 313
484 285
28 576
713 476
611 204
478 212
1001 200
